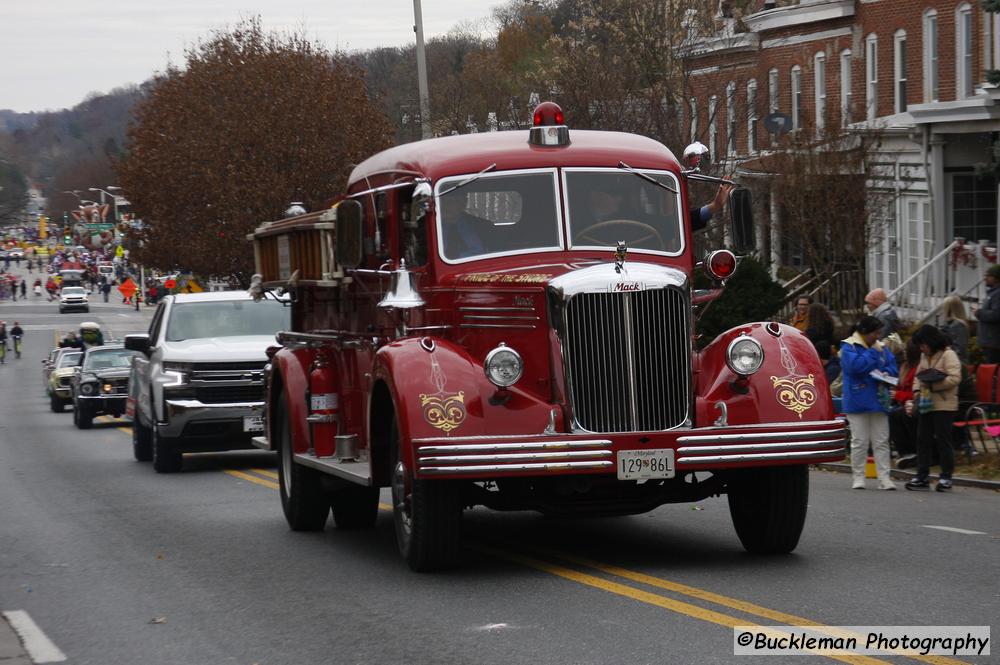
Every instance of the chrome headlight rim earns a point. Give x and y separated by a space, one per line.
88 388
744 370
492 357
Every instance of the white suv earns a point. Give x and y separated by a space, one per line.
73 297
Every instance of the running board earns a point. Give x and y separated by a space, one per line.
261 442
356 472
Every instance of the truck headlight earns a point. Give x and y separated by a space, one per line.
175 374
87 388
503 366
744 355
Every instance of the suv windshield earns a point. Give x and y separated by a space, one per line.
606 206
510 213
108 359
226 318
73 291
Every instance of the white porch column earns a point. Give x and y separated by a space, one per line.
775 234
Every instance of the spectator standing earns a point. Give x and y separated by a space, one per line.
819 330
878 306
800 319
24 289
988 316
903 425
956 326
935 389
866 399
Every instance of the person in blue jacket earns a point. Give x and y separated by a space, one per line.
867 399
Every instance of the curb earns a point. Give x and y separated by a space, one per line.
899 474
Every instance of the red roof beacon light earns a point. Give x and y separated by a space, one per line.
720 264
549 128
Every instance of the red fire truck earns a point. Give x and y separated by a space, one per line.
507 319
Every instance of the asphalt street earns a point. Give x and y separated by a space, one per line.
116 564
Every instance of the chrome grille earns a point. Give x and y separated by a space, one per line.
628 360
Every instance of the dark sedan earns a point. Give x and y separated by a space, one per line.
100 385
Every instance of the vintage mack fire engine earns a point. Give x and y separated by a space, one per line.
507 319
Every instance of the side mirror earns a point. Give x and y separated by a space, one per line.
138 343
741 208
696 156
349 233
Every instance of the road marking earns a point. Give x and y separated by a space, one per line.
266 472
36 643
253 479
954 529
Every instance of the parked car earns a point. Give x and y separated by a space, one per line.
15 253
73 297
100 384
58 386
199 384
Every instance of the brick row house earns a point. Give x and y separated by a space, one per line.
913 69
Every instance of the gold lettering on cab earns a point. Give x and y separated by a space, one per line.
506 278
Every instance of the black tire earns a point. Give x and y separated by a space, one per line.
166 457
56 403
768 507
305 505
355 507
142 440
82 417
427 515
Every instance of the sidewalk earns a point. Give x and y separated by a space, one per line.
900 474
11 651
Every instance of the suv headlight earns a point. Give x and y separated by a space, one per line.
503 366
744 355
88 388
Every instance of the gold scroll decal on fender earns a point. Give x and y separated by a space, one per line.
795 393
445 411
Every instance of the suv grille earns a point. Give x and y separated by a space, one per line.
628 359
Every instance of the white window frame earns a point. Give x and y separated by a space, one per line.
932 74
845 88
752 116
731 119
795 83
964 78
693 104
819 90
871 77
773 100
899 77
713 127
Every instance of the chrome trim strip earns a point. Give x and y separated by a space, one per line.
759 447
759 457
498 317
770 436
513 457
498 325
496 309
495 468
514 447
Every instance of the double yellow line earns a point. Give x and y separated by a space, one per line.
611 579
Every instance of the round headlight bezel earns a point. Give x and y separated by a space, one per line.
497 354
734 349
88 388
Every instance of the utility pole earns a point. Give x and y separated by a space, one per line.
425 104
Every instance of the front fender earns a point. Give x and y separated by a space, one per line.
290 376
790 385
439 390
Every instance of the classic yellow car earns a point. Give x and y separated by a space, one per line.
60 393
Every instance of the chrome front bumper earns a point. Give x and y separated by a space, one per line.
181 413
709 448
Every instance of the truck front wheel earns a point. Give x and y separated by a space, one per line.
768 507
427 515
166 457
142 440
305 506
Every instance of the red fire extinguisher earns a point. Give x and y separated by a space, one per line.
323 407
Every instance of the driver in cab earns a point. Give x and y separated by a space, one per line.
463 231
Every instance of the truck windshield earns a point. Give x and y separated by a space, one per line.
608 206
498 214
226 318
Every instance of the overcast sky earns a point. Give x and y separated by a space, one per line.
54 52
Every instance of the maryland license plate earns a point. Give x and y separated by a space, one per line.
253 423
646 464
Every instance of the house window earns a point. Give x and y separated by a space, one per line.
819 71
974 206
871 77
751 116
930 56
845 88
796 96
963 52
899 69
772 91
731 118
694 119
713 130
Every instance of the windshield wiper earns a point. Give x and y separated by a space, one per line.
625 167
469 179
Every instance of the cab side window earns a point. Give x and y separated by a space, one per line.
412 232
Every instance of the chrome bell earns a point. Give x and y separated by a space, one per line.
402 292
